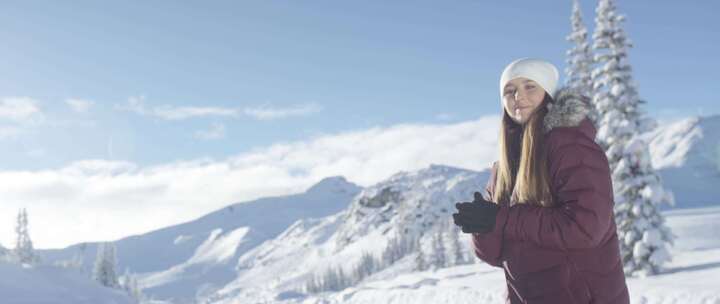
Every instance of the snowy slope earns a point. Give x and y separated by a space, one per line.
691 277
416 203
687 155
181 261
49 284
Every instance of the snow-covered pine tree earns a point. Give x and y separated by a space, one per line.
313 284
397 247
125 279
438 256
641 227
456 250
24 251
637 187
98 273
75 263
335 278
343 279
330 281
135 289
391 253
130 284
367 266
407 243
81 254
579 58
421 262
105 264
4 254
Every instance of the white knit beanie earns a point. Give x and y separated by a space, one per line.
538 70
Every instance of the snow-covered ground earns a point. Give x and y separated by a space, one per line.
692 277
50 284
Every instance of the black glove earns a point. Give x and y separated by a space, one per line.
477 216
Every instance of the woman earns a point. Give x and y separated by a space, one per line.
547 218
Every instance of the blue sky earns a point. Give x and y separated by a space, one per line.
341 65
118 118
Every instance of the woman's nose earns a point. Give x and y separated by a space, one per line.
517 95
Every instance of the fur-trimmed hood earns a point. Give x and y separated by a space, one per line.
569 109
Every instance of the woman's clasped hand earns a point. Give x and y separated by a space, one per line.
477 216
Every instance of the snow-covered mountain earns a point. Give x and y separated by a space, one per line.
415 205
687 155
275 244
273 249
196 257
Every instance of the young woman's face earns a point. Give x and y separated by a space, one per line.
521 97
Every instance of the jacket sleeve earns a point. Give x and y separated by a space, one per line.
583 196
488 246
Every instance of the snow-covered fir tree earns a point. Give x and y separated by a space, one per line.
130 284
645 236
438 255
400 245
579 57
332 279
4 254
367 266
313 284
104 270
457 252
392 252
421 262
24 251
637 187
74 263
335 279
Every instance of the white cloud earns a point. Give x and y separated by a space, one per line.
79 105
20 110
104 200
168 112
216 131
17 114
178 113
135 104
266 113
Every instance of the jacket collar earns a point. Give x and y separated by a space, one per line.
569 109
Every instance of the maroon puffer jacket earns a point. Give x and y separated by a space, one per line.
568 253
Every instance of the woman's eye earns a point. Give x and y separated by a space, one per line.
529 87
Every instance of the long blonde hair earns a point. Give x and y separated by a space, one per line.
523 161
